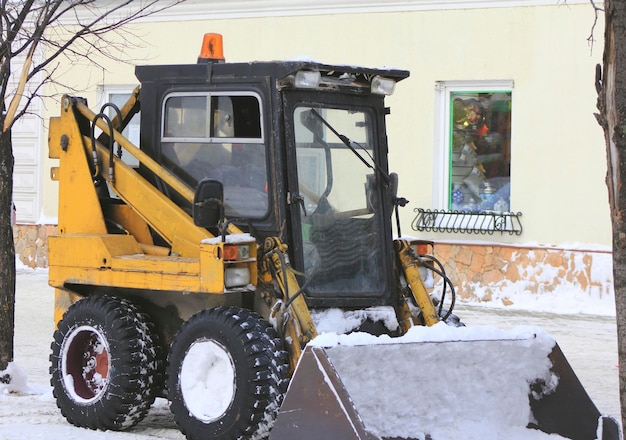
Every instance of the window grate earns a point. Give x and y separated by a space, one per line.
464 222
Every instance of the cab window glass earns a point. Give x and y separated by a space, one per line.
218 136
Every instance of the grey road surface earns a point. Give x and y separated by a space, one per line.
589 343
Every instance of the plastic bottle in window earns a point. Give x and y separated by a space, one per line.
470 206
486 192
501 205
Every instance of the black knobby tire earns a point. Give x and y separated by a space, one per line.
106 364
226 375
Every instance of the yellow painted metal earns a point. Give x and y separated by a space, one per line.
55 131
146 160
130 222
129 108
117 261
66 143
404 315
414 279
84 253
172 223
166 218
291 313
89 250
154 250
63 299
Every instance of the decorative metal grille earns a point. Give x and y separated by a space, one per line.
483 222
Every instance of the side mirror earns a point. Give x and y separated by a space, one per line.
208 203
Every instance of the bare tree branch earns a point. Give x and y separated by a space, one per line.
14 26
35 37
596 10
15 101
57 29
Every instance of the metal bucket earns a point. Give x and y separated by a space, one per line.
422 390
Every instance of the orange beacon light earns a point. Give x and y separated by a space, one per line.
212 48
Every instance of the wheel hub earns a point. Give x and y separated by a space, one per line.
86 360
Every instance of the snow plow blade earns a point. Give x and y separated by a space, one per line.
479 389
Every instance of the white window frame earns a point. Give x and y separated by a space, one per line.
441 162
104 96
28 141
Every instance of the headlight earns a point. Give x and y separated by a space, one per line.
236 277
306 79
383 86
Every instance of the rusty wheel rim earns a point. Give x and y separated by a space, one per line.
86 364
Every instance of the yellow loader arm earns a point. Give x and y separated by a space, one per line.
87 252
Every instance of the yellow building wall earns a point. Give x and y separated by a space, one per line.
558 153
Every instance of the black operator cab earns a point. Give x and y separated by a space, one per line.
300 148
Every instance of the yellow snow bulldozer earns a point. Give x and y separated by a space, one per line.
197 262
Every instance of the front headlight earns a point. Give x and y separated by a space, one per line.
382 86
236 277
306 79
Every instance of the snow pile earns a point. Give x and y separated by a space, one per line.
230 238
444 382
564 299
586 287
344 321
14 380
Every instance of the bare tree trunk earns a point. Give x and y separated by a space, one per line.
611 86
7 253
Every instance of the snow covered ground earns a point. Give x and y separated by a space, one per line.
588 341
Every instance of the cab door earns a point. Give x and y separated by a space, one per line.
341 238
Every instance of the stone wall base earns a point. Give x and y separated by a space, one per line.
479 272
497 272
31 244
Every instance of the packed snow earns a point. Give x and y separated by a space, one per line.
492 405
207 370
464 372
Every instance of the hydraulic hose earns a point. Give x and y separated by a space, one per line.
119 118
424 260
106 119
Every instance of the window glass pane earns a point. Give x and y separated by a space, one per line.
235 117
480 137
185 117
131 131
227 146
341 212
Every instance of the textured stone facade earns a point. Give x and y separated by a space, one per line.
31 244
485 272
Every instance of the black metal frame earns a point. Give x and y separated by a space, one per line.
465 222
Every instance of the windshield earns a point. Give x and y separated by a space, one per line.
340 201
